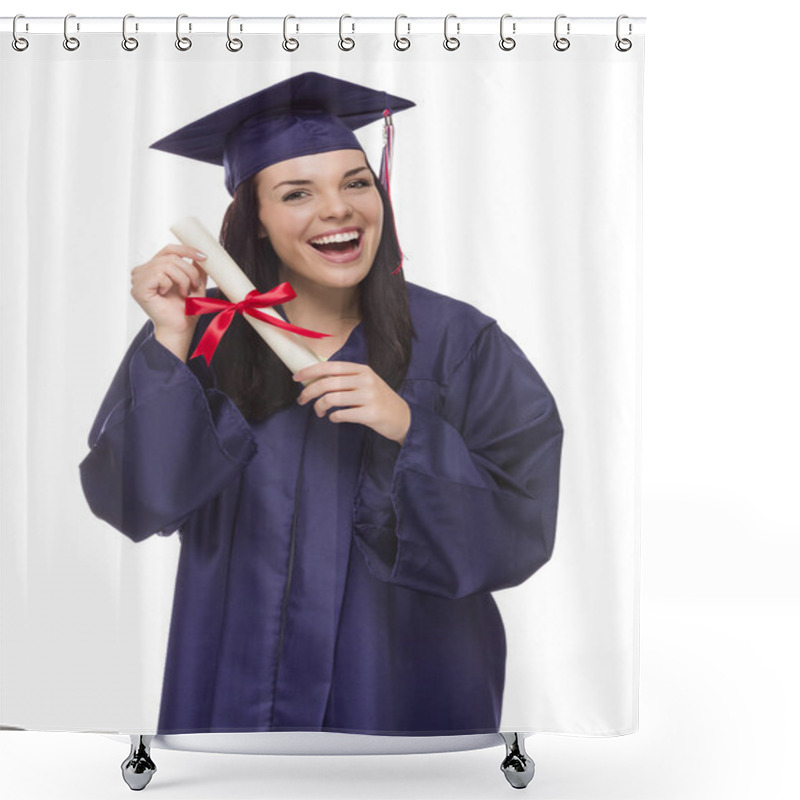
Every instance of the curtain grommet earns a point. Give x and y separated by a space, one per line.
623 44
507 42
346 43
70 43
451 43
401 43
233 44
289 43
561 43
183 43
19 43
129 43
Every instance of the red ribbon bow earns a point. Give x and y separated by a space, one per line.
226 311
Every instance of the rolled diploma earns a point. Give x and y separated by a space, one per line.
236 285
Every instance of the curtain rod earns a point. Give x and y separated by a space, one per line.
407 25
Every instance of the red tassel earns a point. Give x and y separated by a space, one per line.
386 170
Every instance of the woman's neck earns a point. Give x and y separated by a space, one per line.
321 307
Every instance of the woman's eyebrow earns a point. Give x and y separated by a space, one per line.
347 174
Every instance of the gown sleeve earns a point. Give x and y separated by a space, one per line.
468 503
164 442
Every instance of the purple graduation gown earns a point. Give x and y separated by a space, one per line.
329 578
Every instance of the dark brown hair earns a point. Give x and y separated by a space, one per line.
248 371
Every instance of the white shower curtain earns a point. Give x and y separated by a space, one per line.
516 186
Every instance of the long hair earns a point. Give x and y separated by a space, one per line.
248 371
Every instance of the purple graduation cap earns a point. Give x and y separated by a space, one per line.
306 114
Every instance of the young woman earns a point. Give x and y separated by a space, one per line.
342 528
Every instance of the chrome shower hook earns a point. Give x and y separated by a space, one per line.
561 43
18 42
623 45
345 42
451 42
506 42
182 42
129 43
234 45
401 42
289 44
70 42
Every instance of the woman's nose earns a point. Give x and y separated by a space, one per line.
335 206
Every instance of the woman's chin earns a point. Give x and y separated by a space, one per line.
332 276
349 281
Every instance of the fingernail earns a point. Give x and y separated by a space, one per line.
200 255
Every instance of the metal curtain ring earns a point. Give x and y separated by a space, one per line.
451 42
345 42
129 43
506 42
234 45
561 43
401 42
182 42
70 42
289 44
623 45
18 42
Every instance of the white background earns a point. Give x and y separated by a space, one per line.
720 545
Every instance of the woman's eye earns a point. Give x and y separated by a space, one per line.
295 195
360 183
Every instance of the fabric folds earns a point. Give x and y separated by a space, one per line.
154 398
456 512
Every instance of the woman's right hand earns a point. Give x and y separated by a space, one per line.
161 286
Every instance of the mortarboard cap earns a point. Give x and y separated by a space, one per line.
306 114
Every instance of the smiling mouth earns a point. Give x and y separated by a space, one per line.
338 244
337 247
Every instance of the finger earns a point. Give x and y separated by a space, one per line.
183 251
197 276
162 285
202 272
171 278
144 273
327 384
347 415
326 368
333 399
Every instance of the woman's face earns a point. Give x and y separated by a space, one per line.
323 216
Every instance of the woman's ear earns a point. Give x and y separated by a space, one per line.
262 231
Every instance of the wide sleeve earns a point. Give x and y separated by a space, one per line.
468 503
164 442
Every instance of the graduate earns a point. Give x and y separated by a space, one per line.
341 529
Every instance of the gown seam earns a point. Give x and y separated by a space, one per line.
234 527
352 540
289 575
478 336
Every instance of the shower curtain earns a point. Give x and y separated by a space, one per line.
516 189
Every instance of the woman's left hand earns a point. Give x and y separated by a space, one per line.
360 394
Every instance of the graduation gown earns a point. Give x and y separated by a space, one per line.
330 578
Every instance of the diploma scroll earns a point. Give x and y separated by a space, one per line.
236 285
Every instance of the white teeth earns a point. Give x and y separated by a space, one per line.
336 237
